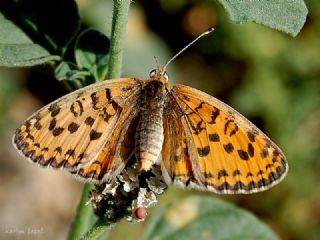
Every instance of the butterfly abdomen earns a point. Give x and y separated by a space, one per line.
149 134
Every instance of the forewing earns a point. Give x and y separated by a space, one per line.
71 132
228 153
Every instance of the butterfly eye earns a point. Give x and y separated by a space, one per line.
153 73
166 76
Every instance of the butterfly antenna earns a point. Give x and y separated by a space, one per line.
158 65
210 30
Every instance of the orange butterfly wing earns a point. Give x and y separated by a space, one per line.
228 154
80 132
176 163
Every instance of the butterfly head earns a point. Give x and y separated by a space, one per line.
159 74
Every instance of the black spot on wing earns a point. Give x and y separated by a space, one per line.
214 137
250 150
231 124
94 100
89 121
52 124
264 153
214 114
200 126
222 173
73 127
57 131
227 125
58 150
228 147
71 152
236 173
37 124
76 108
54 109
108 94
249 174
45 149
36 145
251 136
234 131
186 98
94 135
260 173
199 107
203 152
243 155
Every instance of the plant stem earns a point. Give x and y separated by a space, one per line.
97 230
83 215
119 21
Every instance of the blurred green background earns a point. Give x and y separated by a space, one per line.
268 76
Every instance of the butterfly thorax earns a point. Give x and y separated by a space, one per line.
149 133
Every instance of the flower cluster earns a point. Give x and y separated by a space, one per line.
129 194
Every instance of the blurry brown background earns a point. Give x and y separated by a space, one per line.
270 77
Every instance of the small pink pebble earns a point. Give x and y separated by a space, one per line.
141 213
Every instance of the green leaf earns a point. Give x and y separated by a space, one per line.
286 15
75 78
17 49
92 53
51 24
205 218
65 71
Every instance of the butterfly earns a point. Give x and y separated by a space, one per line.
199 141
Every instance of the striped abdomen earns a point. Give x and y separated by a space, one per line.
149 133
